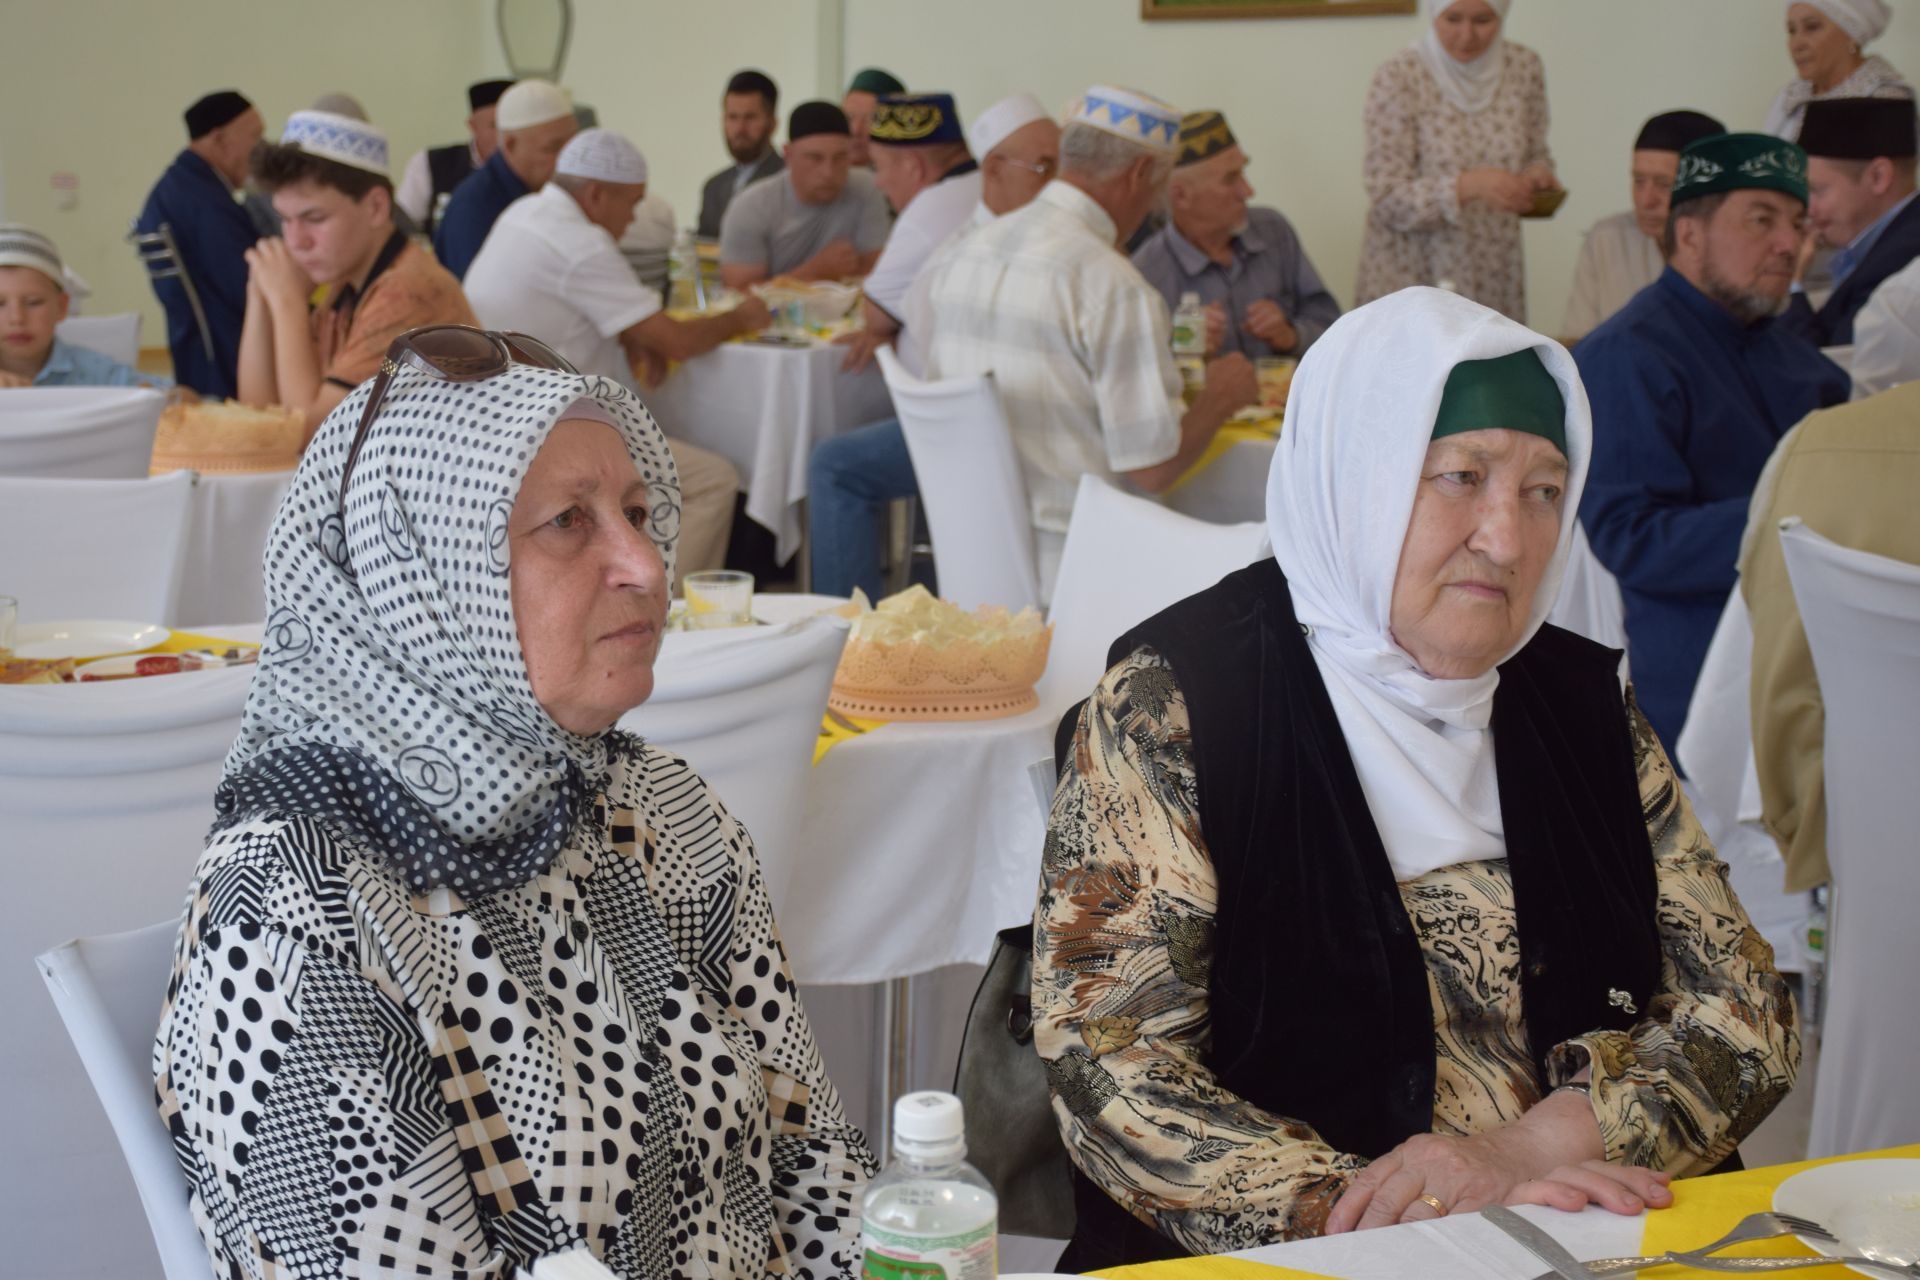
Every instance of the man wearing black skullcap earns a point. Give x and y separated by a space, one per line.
1622 253
816 221
1860 188
747 119
431 175
195 201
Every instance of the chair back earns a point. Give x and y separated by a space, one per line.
1127 558
92 433
970 485
222 580
107 792
1862 618
95 548
160 255
108 991
1589 602
116 337
743 708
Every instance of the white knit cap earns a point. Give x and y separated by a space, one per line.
532 102
604 156
22 246
1864 20
342 139
998 122
1129 114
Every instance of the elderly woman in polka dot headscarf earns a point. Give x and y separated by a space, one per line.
467 976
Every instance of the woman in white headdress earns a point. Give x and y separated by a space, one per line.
1367 897
1827 41
468 977
1456 151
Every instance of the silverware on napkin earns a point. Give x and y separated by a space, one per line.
1537 1242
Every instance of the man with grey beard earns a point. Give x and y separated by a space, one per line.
1692 385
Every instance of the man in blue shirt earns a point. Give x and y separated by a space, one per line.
536 121
1692 384
33 302
1860 185
195 200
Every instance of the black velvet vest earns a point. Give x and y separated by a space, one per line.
1318 995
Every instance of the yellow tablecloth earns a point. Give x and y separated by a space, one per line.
836 729
1207 1269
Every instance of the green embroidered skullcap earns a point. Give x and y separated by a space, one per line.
1513 391
875 81
1740 162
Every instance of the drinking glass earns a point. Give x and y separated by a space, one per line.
719 598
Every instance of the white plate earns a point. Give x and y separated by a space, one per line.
1872 1205
85 639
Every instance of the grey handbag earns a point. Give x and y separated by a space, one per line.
1012 1136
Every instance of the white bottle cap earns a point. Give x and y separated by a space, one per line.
927 1121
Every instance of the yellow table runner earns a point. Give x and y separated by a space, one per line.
836 729
1235 431
1215 1268
1704 1209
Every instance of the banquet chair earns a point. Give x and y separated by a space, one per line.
1589 602
970 486
1862 617
228 522
108 991
161 257
97 549
743 707
1125 559
92 433
116 337
107 791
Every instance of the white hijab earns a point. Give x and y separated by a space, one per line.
1339 498
1469 86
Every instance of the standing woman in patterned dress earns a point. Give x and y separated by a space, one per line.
468 977
1456 149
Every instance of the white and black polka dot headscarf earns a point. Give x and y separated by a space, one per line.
392 698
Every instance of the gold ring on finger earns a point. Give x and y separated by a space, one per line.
1438 1205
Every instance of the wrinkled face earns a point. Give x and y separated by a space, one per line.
1210 197
1821 51
1025 161
817 166
610 204
330 234
1485 521
1750 248
1466 28
1845 197
234 142
532 152
1652 189
747 119
30 306
486 137
901 173
859 108
589 587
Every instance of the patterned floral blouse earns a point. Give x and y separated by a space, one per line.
1418 143
612 1055
1121 933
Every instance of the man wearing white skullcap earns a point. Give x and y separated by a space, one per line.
327 178
535 120
1087 375
1827 41
33 302
552 267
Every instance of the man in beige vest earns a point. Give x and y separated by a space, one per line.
1850 473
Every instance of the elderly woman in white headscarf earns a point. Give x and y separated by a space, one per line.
1367 897
1456 151
468 977
1827 41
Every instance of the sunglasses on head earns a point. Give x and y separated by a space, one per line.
451 353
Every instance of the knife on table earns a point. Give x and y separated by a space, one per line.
1538 1242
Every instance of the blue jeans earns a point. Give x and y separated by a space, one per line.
850 480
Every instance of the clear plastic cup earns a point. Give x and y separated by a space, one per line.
719 598
9 613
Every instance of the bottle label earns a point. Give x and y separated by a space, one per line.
893 1255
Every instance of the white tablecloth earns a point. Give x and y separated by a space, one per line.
1464 1248
763 408
226 537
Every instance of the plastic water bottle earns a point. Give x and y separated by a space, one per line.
930 1215
1816 967
1190 344
683 268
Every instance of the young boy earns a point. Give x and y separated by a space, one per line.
33 301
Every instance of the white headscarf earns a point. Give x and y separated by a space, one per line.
1864 20
1469 86
1339 498
392 698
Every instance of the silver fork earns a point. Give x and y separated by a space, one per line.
1755 1226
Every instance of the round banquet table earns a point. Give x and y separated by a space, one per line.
763 408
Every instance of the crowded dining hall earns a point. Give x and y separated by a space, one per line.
858 640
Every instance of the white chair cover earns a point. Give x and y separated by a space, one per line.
743 708
94 548
1126 559
107 794
1589 602
1230 489
1862 615
221 579
107 990
970 485
117 337
97 433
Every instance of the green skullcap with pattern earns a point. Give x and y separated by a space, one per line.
1740 162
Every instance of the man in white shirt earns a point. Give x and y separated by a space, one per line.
427 183
1077 341
551 267
1886 335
